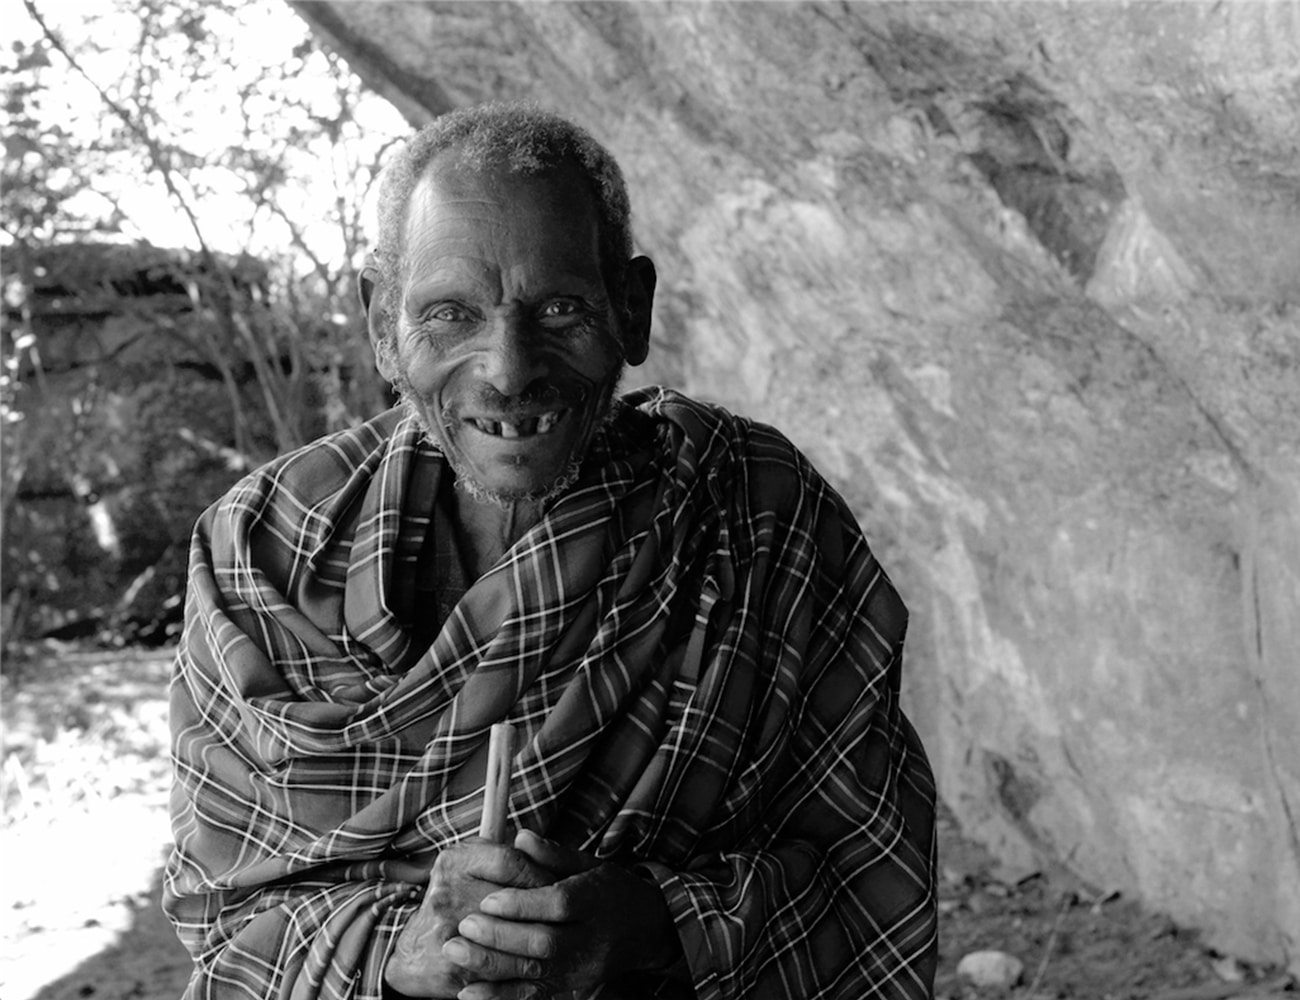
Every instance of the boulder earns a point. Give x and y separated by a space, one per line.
1024 281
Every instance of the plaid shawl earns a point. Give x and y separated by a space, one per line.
699 652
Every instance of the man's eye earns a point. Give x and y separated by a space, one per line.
447 313
559 309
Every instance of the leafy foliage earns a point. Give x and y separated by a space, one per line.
138 382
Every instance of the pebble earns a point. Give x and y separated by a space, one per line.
980 902
991 968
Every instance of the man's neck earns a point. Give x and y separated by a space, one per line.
486 530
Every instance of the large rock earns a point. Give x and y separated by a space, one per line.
1025 282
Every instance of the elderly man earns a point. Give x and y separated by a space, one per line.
715 794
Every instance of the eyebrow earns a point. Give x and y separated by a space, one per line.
453 281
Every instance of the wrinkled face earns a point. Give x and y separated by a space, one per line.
507 343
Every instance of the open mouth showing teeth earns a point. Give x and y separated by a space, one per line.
527 427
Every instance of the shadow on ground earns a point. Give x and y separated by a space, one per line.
147 962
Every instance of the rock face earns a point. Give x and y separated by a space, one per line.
1024 280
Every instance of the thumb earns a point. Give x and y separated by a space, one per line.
562 860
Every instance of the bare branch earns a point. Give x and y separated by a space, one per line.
158 155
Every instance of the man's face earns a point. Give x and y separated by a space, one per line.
507 342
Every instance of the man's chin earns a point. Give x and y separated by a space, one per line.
508 495
504 489
505 476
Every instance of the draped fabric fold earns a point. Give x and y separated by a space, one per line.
699 651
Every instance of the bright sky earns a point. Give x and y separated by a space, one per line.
207 121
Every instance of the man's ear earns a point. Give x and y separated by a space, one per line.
368 289
639 296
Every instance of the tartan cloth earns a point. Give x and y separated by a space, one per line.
699 652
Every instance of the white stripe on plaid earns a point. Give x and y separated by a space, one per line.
700 653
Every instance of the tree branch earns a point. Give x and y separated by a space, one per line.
157 154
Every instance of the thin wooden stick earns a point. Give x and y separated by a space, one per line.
1066 902
496 788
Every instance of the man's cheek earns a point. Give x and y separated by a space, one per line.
597 367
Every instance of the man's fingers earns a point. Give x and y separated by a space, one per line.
488 963
558 858
533 940
511 989
498 863
559 903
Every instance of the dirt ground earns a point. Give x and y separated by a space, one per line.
85 829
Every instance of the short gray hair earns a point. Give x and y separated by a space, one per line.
517 137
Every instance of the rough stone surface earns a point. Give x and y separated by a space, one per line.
1024 280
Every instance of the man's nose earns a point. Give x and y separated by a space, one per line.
512 359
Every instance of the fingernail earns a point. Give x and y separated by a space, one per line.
489 904
456 951
469 926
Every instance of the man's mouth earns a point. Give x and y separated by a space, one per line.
524 427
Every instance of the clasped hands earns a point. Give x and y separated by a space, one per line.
524 921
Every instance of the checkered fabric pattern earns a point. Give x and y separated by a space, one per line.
700 654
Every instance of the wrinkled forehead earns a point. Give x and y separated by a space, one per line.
554 200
